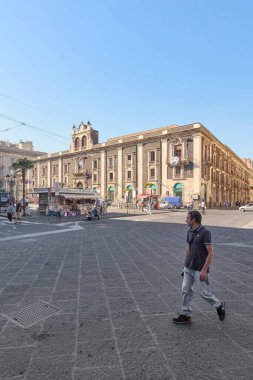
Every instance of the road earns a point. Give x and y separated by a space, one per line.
117 285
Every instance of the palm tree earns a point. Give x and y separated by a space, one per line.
23 164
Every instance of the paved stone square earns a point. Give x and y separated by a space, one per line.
117 283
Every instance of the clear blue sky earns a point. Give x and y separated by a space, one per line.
127 66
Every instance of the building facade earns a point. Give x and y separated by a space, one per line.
187 161
249 163
9 154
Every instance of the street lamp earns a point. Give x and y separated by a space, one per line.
11 182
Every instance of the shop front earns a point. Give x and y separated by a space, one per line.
144 199
129 194
111 194
178 190
69 202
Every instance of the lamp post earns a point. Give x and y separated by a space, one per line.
11 182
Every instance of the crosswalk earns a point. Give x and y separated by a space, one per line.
8 230
249 225
149 218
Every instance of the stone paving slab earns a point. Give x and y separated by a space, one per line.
118 288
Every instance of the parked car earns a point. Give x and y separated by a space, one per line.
166 205
247 207
175 201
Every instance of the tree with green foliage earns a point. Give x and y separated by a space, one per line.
23 164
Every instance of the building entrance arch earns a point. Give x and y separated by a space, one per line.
178 189
129 193
111 193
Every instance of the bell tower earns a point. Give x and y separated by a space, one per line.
83 137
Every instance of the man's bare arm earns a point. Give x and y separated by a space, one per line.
187 252
209 259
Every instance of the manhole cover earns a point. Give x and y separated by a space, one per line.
31 313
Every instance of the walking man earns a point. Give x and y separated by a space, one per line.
203 207
198 258
18 213
149 212
10 211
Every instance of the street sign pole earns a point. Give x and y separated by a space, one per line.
48 200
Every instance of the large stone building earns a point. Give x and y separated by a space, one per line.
187 161
9 154
249 163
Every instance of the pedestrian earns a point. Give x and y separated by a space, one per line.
10 211
58 213
105 205
96 213
198 258
203 207
18 213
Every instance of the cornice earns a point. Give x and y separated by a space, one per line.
222 146
182 132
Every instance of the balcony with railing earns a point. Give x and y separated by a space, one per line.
178 159
78 174
153 162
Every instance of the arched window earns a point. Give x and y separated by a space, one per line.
84 141
111 193
205 153
79 185
77 142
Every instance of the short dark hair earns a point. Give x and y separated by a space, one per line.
195 215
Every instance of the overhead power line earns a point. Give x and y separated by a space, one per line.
34 108
7 129
35 129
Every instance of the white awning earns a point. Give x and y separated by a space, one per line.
79 196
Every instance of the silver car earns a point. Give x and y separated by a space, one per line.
247 207
166 205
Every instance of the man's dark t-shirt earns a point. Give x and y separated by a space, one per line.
197 240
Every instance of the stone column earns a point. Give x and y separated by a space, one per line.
120 174
197 166
49 180
183 150
103 173
164 157
139 168
38 174
60 170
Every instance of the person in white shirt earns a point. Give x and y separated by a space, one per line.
203 207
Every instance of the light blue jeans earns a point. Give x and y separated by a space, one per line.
190 276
